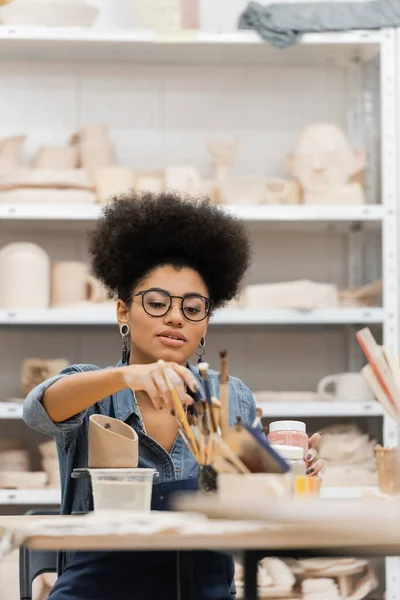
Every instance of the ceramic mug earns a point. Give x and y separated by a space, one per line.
344 386
71 283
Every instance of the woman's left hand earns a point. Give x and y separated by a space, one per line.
314 464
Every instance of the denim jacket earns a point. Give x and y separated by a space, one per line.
89 575
72 443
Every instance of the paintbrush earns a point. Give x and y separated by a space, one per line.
179 412
224 393
229 454
203 368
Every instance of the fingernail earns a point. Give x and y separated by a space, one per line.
310 471
309 457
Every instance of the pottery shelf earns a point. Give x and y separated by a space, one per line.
10 410
36 43
319 409
52 496
225 317
30 497
371 213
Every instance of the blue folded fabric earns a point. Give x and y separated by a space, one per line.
283 24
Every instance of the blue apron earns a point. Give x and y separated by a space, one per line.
147 575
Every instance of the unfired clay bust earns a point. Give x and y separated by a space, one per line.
325 165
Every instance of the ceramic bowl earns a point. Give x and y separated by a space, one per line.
44 13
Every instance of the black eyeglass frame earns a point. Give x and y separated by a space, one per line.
208 302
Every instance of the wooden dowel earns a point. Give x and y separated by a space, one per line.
224 394
180 413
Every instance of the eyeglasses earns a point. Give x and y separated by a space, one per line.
157 303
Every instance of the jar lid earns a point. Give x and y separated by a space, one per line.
290 452
287 426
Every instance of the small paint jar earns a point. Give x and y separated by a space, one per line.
293 455
288 433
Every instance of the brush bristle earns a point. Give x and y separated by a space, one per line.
203 368
223 353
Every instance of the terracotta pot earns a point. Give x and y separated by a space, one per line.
24 276
112 181
57 158
71 283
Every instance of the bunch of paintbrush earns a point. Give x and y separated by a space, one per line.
201 427
382 373
205 429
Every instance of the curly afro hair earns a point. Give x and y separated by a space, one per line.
139 232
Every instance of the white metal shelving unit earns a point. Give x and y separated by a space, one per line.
371 118
228 317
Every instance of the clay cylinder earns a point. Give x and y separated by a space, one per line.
388 466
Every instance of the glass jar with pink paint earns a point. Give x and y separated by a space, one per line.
289 433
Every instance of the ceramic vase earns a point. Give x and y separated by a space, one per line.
24 276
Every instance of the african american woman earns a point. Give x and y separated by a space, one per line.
169 262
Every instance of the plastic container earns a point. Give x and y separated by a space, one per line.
122 489
294 457
288 433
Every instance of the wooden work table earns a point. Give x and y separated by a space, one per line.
319 528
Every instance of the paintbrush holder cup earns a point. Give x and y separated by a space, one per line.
207 478
388 467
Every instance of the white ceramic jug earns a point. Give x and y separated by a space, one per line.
24 276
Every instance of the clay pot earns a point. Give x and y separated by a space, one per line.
24 276
71 283
11 153
94 146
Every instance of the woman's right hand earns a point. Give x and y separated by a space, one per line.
151 379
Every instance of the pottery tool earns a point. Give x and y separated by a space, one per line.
229 455
180 413
381 368
223 466
224 393
203 368
257 421
253 449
